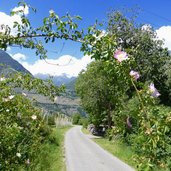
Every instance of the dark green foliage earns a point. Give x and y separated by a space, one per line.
84 122
76 119
141 42
101 91
107 89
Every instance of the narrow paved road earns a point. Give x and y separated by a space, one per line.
82 154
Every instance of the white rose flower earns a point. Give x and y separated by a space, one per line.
18 155
34 117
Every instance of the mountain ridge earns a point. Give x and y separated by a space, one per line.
68 102
57 80
10 65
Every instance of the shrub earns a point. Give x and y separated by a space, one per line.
76 118
23 129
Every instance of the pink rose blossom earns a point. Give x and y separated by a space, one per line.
128 122
28 161
120 55
154 92
134 74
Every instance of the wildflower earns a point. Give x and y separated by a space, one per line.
27 161
148 131
55 99
2 79
98 38
18 155
7 110
11 97
51 11
8 98
134 74
19 115
128 122
34 117
5 99
102 34
154 92
120 55
24 94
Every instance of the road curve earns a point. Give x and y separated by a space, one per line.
82 154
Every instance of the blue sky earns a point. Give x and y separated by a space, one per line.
154 12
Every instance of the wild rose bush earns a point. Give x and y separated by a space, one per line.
146 127
151 139
23 129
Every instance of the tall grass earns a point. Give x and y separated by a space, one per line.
51 157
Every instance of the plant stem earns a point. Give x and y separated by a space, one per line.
140 99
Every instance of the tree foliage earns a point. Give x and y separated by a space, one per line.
142 43
132 60
53 27
100 93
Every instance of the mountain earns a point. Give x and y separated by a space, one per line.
57 80
9 65
67 103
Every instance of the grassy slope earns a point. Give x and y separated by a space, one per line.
51 157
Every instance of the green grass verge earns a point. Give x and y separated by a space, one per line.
85 131
52 155
118 149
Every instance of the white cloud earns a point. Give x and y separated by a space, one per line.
146 27
66 64
19 57
21 8
9 20
8 49
164 32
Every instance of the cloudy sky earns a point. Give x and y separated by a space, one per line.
66 56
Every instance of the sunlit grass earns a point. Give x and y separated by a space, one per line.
85 131
118 149
52 155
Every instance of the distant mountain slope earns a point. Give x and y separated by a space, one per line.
67 103
71 84
57 80
9 65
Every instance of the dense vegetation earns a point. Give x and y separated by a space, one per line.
127 88
24 130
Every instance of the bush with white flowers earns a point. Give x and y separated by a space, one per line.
22 129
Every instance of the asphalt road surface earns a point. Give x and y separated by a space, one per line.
82 154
